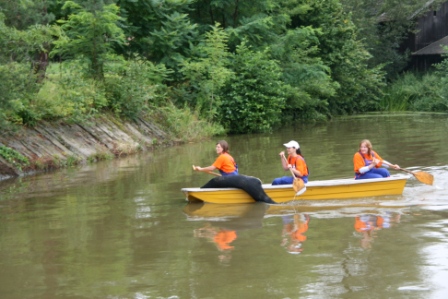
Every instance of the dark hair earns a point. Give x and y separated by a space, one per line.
224 145
299 152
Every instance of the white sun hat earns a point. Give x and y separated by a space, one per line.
293 144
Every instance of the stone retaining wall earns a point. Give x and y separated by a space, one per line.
50 145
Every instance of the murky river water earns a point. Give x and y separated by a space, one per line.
122 229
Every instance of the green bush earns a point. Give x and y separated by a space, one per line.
13 157
134 87
18 87
254 99
184 124
68 94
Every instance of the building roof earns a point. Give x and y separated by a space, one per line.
435 48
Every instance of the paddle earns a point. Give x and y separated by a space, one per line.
422 176
298 185
209 172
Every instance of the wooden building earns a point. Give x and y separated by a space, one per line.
431 36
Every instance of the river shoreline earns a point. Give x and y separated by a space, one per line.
52 145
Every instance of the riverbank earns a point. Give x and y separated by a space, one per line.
58 144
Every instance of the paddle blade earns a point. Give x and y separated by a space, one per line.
424 177
298 185
301 191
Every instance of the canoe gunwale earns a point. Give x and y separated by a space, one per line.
322 183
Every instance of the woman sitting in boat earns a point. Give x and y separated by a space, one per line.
295 161
224 163
367 163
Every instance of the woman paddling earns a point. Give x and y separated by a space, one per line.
295 162
224 163
367 163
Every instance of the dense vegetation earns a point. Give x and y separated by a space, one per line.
205 67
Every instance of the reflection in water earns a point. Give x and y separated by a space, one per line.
221 237
222 222
294 228
367 225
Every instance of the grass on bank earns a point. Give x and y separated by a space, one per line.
417 92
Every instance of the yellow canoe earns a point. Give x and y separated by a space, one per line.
315 190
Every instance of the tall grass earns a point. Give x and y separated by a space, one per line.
400 95
184 124
417 92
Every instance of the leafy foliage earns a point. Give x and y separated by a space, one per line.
240 66
185 124
67 94
136 86
384 25
308 77
17 88
13 157
160 31
414 92
207 72
89 35
341 50
21 14
255 97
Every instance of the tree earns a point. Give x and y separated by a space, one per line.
308 76
31 20
207 72
89 33
254 98
20 14
339 48
160 31
19 82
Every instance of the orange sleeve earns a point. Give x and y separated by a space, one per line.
301 166
219 162
358 162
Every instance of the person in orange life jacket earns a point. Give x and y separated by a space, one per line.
224 163
367 163
295 161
